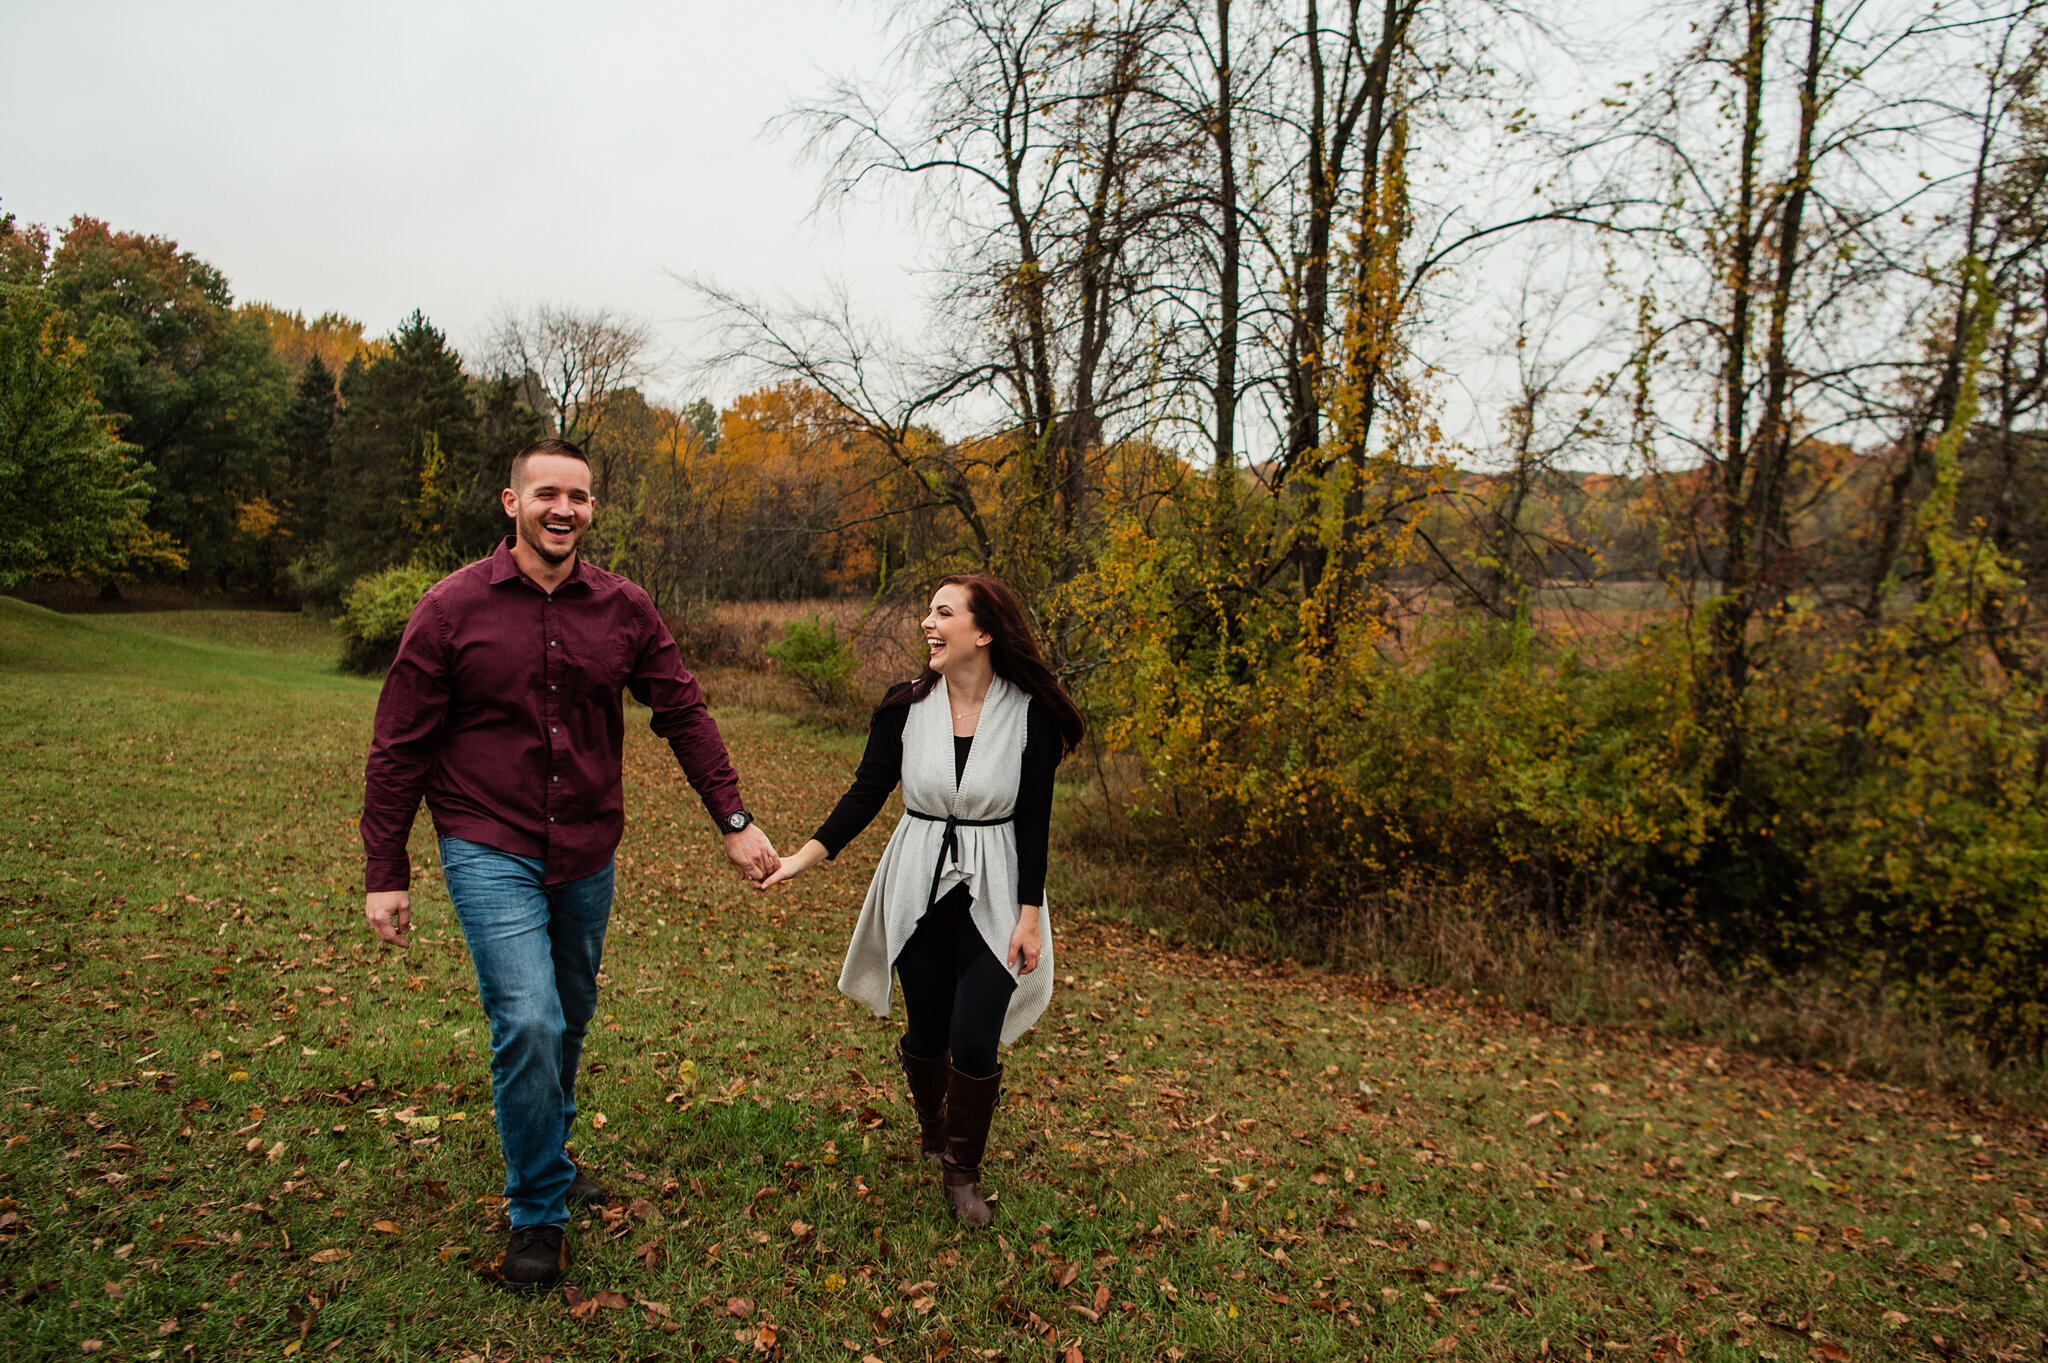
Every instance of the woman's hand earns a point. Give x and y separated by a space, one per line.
807 856
1025 943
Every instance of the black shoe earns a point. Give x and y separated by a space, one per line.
534 1259
585 1191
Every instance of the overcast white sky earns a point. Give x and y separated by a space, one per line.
455 157
462 158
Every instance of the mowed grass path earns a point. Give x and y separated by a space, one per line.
232 1125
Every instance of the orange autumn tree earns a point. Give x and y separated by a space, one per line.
772 499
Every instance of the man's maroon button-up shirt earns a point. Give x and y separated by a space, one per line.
504 711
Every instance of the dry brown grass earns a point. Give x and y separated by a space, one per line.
734 635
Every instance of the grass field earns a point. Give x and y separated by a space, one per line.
235 1126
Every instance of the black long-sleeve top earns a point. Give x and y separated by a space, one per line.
881 769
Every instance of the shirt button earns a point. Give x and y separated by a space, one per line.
551 686
551 643
551 818
554 778
553 730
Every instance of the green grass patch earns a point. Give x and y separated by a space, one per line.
234 1125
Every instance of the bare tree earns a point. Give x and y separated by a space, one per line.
1797 151
1031 128
2002 222
571 362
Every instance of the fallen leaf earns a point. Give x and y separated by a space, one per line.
328 1256
388 1227
739 1308
640 1209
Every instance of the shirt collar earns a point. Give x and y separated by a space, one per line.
505 569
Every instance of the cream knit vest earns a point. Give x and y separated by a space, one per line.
982 855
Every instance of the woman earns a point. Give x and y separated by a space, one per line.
957 904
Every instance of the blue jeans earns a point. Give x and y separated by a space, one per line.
536 948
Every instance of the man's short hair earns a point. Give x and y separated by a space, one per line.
567 449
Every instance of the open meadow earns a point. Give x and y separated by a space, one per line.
235 1126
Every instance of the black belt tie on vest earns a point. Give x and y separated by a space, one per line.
949 845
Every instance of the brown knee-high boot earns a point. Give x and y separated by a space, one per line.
927 1081
970 1104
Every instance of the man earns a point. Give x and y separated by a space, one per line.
503 710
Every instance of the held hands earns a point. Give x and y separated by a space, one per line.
807 856
1025 943
390 915
750 851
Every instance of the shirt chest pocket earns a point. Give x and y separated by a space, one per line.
592 668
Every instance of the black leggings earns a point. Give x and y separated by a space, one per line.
955 991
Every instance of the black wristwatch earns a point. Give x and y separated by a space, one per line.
735 822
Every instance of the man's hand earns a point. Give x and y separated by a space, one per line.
390 915
805 857
750 850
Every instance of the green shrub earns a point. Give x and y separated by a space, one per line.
316 580
374 612
814 656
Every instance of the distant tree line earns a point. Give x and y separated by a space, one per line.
178 435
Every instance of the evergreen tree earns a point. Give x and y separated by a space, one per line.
407 439
506 425
305 442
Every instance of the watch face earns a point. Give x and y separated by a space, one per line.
736 822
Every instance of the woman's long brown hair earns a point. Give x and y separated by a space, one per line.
1012 650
